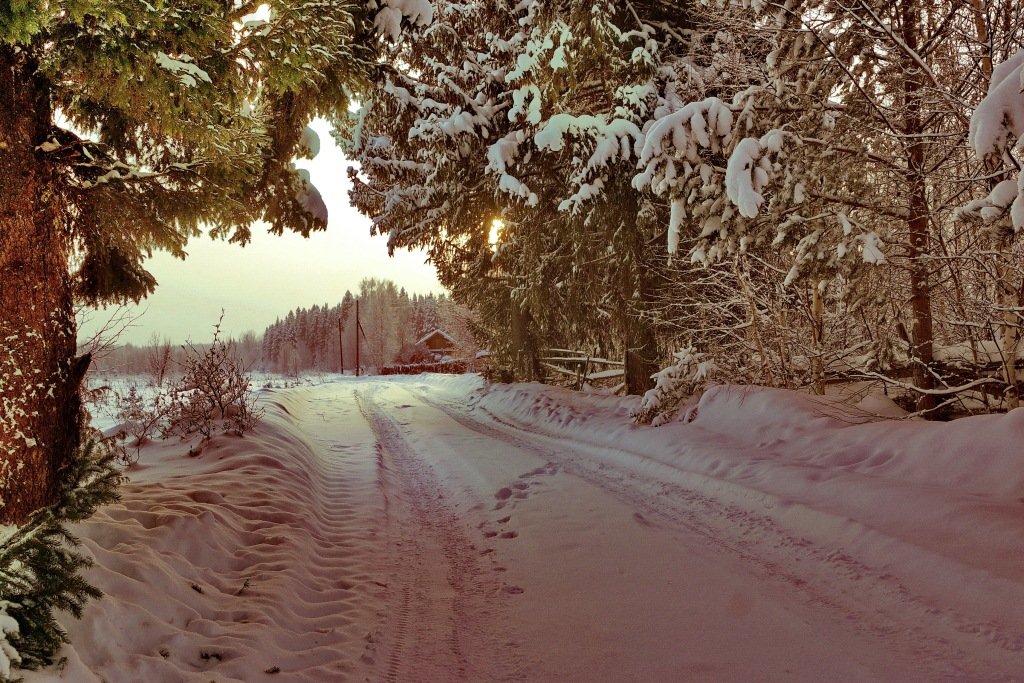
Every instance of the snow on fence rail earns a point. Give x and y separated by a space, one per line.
576 364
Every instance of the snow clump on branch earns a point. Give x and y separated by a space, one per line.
183 68
682 380
9 656
310 198
997 131
388 21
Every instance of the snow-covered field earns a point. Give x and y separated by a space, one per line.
433 528
107 388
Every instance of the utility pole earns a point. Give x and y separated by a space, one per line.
358 327
341 352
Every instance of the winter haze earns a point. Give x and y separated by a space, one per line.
724 385
273 274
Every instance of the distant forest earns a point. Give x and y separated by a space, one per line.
392 321
306 339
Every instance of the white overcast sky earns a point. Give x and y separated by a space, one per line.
272 275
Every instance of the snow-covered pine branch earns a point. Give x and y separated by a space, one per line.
997 133
391 14
681 381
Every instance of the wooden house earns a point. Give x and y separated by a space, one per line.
438 342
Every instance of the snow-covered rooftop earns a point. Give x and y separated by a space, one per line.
438 332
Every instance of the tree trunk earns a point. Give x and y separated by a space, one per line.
641 357
1009 298
40 408
921 336
754 330
526 356
818 339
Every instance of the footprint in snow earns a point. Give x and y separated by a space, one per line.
641 520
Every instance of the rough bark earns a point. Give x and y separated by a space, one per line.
524 345
39 376
641 357
921 337
1010 296
818 339
754 329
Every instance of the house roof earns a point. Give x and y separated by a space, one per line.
438 332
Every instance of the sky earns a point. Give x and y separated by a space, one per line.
272 275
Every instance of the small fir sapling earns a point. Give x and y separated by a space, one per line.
673 385
40 568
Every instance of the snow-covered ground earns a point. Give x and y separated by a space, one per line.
433 528
107 389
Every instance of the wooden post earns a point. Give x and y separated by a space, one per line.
358 327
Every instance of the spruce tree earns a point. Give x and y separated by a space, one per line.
127 127
544 110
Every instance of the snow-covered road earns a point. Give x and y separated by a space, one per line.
522 557
396 530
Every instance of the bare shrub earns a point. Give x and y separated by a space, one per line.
213 393
158 359
139 419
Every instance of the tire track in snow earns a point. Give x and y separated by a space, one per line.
444 610
401 628
910 623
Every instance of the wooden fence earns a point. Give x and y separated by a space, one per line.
579 368
455 367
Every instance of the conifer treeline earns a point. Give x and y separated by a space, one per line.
392 322
307 338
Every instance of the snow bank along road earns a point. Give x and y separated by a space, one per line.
426 529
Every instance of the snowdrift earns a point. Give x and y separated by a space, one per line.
940 504
254 561
231 566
